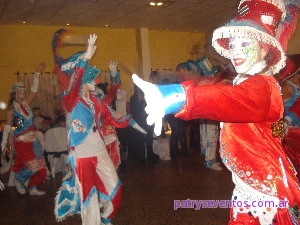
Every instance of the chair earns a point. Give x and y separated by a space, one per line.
56 147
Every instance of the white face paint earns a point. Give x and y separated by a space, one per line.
91 86
244 53
20 95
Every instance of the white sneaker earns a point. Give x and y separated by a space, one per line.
216 167
20 187
34 191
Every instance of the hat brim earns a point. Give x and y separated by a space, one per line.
15 89
247 29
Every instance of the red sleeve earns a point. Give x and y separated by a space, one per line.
107 117
255 100
70 99
111 94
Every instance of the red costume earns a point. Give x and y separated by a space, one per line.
264 165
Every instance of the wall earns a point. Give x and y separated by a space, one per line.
23 47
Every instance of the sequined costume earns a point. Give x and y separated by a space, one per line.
91 174
29 162
292 138
259 166
266 186
109 132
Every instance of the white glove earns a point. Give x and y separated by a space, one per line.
6 132
91 47
155 103
138 128
2 187
113 68
35 83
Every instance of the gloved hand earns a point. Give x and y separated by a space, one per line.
91 47
155 103
35 84
39 68
113 68
161 100
2 187
138 128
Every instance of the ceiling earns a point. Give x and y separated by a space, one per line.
175 15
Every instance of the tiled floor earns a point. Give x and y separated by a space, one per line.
149 192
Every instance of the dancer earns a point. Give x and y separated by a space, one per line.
290 82
107 96
2 106
91 185
251 110
29 163
209 129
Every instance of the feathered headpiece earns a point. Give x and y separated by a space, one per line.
287 26
65 67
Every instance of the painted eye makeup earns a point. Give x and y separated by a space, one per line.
246 44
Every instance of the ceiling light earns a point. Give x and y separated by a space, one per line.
156 3
23 22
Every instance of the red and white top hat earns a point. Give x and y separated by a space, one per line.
256 19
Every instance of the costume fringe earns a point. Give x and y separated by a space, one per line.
71 203
248 32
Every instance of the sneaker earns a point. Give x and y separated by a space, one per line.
20 187
216 167
34 191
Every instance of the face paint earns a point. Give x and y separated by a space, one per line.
98 93
244 53
20 95
91 86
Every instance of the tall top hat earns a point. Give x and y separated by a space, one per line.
256 19
17 86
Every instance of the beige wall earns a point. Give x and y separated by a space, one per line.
23 47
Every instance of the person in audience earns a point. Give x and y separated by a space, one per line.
56 145
29 164
208 129
41 122
90 185
250 110
140 145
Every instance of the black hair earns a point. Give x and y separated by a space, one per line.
103 87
